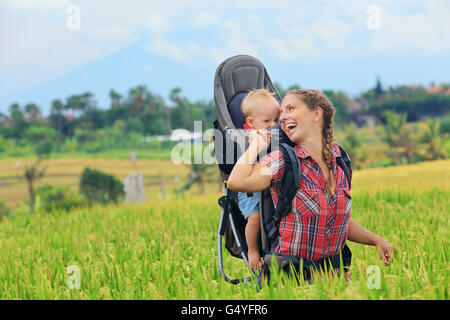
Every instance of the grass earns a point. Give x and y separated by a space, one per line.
167 249
67 171
120 153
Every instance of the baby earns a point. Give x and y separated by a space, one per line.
261 111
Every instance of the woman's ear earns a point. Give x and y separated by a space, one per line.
317 114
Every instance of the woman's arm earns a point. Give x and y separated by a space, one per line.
248 176
359 234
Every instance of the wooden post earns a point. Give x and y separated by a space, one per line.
161 184
134 160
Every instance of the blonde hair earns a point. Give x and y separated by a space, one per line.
316 99
248 105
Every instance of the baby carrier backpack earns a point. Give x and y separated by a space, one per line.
233 79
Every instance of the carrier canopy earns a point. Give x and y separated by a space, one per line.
234 109
238 74
234 78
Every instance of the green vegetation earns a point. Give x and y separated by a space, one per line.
4 210
167 250
79 125
364 124
100 187
57 198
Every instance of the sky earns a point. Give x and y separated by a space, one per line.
51 49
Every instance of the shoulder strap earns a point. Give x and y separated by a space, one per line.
289 187
346 165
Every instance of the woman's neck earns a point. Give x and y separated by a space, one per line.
314 147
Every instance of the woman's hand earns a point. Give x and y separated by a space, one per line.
385 250
359 234
248 176
261 138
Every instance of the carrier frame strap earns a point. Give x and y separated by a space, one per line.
345 163
226 219
225 203
290 185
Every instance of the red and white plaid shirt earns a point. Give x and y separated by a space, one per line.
317 225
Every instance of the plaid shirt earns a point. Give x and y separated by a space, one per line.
317 225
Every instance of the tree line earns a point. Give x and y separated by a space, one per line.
78 124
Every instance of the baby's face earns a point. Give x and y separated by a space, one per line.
265 115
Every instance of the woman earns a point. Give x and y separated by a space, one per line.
320 220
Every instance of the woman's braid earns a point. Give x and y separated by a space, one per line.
327 140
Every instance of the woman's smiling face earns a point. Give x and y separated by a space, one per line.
297 120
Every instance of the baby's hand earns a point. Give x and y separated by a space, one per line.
261 138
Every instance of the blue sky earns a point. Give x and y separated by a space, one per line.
316 44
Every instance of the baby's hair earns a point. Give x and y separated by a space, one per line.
248 106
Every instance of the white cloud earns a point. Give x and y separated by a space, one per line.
36 49
426 31
35 5
37 46
204 19
304 49
157 23
168 49
238 40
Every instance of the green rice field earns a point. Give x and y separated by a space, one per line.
168 249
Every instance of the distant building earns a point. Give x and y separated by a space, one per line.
185 135
69 117
178 135
434 89
357 105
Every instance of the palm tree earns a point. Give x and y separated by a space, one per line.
57 107
57 110
73 103
175 96
432 140
80 103
115 98
31 174
137 97
32 111
18 122
15 111
87 101
399 136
